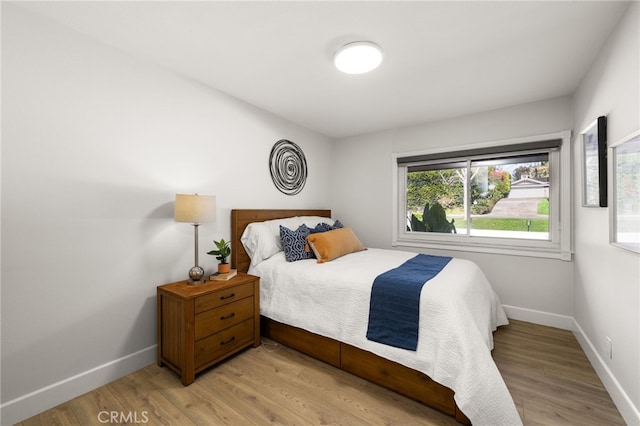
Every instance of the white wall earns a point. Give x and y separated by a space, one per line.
535 289
94 146
607 279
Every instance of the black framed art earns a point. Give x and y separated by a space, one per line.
594 164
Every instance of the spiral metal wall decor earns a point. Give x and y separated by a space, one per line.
288 167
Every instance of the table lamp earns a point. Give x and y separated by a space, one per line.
195 209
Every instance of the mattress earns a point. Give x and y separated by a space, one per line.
459 311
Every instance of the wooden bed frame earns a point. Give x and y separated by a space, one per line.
361 363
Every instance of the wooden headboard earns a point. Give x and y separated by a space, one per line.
240 218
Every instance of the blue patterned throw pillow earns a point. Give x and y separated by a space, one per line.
324 227
321 227
294 243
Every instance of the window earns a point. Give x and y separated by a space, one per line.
502 198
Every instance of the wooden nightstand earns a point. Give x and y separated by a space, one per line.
200 325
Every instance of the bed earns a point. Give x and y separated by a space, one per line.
455 354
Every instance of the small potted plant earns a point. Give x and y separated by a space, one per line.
222 253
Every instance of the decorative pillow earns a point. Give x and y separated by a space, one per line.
324 227
333 244
294 223
294 242
261 240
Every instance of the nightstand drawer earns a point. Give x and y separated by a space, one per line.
214 320
222 297
213 347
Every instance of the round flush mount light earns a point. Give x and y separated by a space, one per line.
358 57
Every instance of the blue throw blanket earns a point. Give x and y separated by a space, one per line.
394 311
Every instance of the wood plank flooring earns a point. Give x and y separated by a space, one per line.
550 378
548 375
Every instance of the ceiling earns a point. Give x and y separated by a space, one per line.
441 59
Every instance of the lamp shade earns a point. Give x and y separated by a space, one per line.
195 208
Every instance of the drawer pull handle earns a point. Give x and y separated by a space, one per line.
227 297
226 342
231 315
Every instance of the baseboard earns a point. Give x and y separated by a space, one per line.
50 396
625 406
564 322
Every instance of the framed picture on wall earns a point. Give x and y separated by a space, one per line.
594 164
625 211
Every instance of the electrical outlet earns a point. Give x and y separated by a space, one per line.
609 347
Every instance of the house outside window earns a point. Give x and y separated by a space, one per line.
510 197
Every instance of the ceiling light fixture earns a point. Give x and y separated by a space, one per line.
358 57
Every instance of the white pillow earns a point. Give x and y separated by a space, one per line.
261 240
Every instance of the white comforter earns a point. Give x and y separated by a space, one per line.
459 312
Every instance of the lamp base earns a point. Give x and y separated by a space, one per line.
196 275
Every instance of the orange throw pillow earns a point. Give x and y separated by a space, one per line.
333 244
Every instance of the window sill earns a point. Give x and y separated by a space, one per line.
487 248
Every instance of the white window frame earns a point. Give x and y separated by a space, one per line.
559 245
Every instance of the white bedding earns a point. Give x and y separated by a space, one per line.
459 312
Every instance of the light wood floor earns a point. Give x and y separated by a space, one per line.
548 375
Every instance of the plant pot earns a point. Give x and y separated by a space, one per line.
224 268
